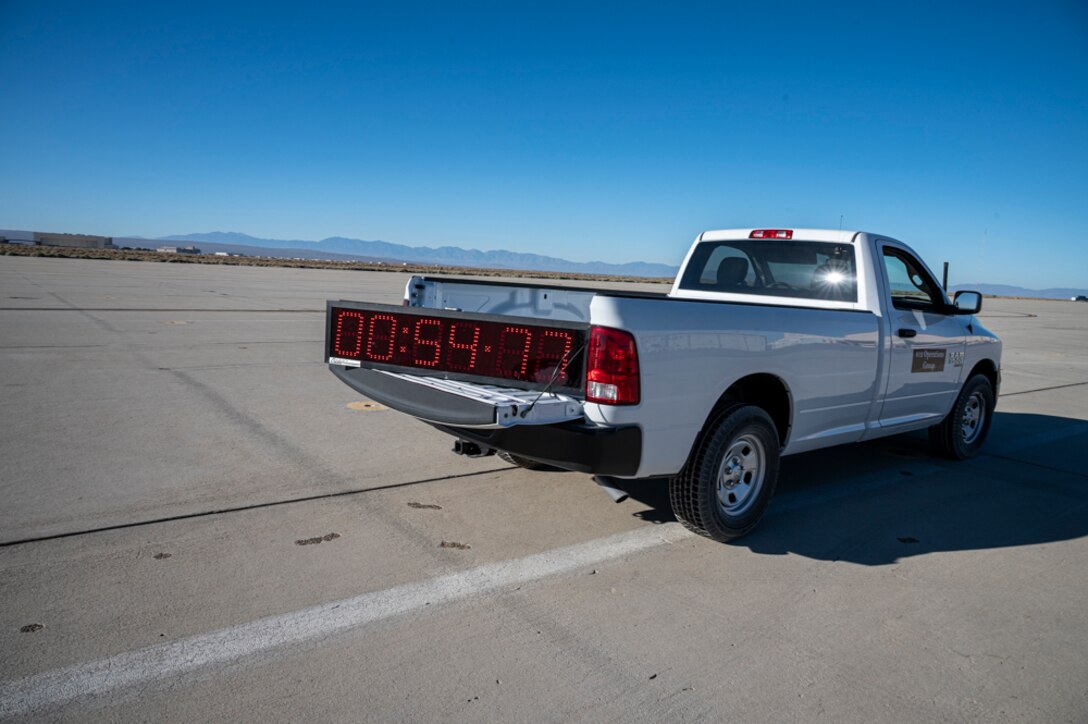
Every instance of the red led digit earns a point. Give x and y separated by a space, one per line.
349 328
428 333
462 355
386 338
517 354
553 348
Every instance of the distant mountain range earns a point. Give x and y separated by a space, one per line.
359 249
1005 290
338 247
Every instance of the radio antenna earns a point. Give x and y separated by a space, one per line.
555 375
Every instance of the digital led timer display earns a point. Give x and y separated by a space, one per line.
522 352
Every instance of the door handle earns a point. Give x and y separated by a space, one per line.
907 333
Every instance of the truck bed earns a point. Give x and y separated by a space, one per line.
518 299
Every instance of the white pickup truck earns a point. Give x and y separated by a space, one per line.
771 342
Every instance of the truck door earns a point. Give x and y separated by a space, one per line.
927 344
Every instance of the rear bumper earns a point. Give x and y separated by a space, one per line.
573 445
615 451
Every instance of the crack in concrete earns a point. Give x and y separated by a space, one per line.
1043 389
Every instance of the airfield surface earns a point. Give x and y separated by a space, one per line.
199 522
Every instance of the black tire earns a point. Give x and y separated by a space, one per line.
525 462
718 494
962 433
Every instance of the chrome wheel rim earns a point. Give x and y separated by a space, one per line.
740 475
974 416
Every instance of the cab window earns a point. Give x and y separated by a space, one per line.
781 268
910 284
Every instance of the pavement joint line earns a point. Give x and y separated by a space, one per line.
1041 438
792 503
869 483
243 508
48 689
1046 436
1043 389
1041 466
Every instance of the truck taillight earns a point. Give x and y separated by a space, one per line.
612 367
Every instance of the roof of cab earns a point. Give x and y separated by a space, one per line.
833 235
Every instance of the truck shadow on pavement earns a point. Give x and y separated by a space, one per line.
878 502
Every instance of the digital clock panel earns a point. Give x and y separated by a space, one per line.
459 345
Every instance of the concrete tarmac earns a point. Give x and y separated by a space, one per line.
171 435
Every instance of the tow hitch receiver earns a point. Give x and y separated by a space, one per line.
472 449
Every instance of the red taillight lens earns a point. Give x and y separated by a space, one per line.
612 367
771 234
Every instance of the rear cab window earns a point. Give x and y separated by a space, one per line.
782 268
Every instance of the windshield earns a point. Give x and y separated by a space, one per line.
804 269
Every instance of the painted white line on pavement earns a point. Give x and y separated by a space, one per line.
97 678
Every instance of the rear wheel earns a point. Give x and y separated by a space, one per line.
730 479
962 433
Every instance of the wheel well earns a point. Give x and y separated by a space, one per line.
988 368
765 391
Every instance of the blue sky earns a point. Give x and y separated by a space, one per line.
616 132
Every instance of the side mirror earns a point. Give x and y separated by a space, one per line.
967 302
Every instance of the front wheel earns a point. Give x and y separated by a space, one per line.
730 479
961 434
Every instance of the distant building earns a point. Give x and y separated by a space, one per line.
8 236
178 250
45 238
